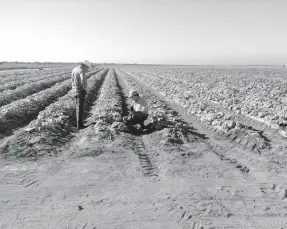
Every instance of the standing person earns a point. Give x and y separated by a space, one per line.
139 110
79 87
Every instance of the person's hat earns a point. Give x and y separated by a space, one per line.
87 63
133 92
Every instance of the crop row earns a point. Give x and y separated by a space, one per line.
21 92
14 82
7 74
14 76
18 73
107 113
22 111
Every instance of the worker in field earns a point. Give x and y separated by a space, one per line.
79 87
138 111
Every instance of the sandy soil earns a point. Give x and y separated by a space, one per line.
186 177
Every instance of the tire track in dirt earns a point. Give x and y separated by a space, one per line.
19 175
25 179
139 148
136 142
186 220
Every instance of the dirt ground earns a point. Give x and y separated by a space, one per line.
188 177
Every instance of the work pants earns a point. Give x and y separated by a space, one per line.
80 107
137 117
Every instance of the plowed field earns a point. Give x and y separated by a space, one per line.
217 157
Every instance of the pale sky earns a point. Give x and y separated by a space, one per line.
145 31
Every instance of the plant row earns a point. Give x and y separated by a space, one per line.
13 82
4 75
23 91
22 111
20 75
107 114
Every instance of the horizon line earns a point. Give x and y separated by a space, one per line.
76 62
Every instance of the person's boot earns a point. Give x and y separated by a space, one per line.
152 125
81 126
142 126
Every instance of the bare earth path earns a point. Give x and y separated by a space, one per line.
138 182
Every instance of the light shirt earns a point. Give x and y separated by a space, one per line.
140 105
79 79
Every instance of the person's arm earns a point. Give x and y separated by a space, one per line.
83 81
144 106
132 107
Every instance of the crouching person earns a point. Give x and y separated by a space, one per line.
139 110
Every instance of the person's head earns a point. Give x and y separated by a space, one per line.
134 95
86 65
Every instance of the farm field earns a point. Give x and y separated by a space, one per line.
216 159
7 66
